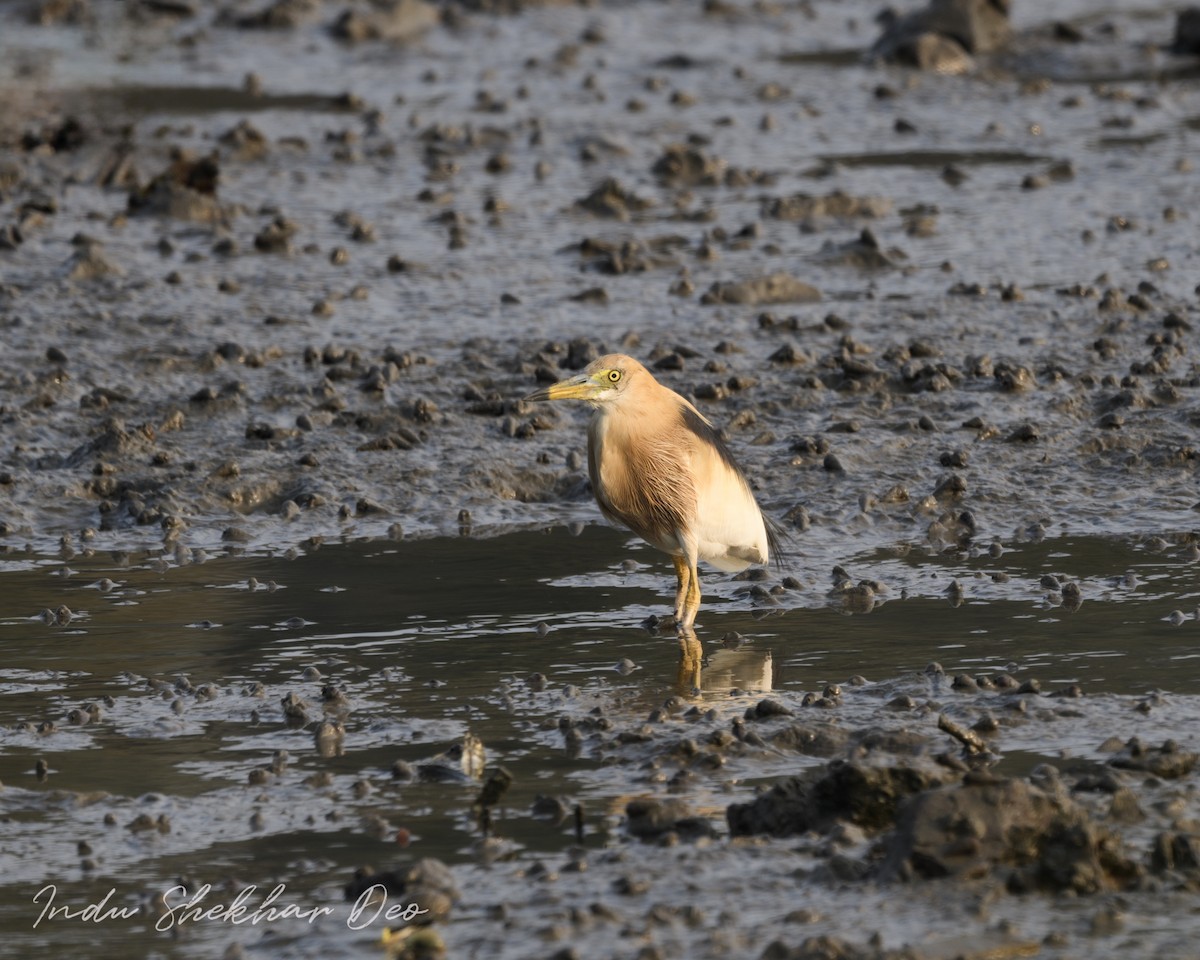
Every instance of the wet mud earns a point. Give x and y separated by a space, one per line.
290 571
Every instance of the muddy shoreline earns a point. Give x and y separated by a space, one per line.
191 361
273 280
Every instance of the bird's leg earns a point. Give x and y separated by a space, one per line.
691 658
682 573
691 602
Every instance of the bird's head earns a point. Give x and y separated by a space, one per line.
602 381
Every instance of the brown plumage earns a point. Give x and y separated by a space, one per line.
658 467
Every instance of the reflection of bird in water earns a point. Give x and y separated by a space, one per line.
659 468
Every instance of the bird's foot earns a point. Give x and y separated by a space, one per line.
685 626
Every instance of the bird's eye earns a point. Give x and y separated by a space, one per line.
614 375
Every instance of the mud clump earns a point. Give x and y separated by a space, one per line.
649 818
631 255
864 252
280 15
774 288
393 21
611 200
833 206
1173 851
975 947
865 795
984 823
89 262
942 36
245 143
186 190
687 166
1169 761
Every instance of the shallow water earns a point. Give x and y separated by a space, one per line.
557 106
433 639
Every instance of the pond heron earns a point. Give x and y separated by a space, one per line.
659 467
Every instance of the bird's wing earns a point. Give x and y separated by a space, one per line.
729 527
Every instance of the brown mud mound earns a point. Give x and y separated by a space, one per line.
940 36
865 795
984 823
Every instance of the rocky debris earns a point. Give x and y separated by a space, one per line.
1169 761
393 21
985 822
1173 851
943 36
935 53
1187 31
597 296
811 740
832 206
682 165
649 818
862 253
631 255
612 200
244 142
61 137
279 15
989 945
46 13
851 791
89 261
186 190
276 236
774 288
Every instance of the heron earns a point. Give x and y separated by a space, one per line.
659 468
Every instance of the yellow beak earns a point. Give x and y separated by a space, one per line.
581 387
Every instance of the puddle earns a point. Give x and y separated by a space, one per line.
933 158
139 101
